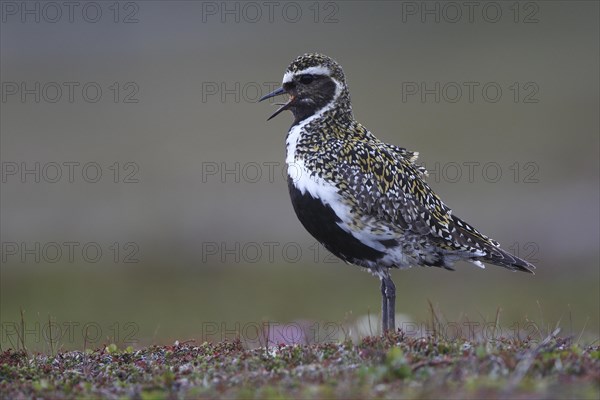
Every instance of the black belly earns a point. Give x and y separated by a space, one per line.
321 221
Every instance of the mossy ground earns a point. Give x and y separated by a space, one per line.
393 366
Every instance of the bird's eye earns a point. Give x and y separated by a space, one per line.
306 79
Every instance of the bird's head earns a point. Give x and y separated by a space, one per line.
313 82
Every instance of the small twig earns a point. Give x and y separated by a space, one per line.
267 340
497 322
431 363
434 318
22 335
471 333
85 337
483 331
346 332
583 330
50 336
570 321
86 368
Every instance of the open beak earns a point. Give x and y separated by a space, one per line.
283 107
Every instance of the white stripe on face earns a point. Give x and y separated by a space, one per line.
318 70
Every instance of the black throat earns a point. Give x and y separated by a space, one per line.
308 103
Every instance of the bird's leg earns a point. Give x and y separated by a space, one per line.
384 306
388 302
390 291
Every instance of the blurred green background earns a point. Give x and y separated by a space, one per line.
191 211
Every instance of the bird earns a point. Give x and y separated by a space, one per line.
364 200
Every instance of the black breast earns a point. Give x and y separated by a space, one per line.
321 221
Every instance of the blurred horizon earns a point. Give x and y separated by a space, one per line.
141 182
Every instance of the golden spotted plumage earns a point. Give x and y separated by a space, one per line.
383 185
367 201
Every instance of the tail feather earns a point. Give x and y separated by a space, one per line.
500 257
466 235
